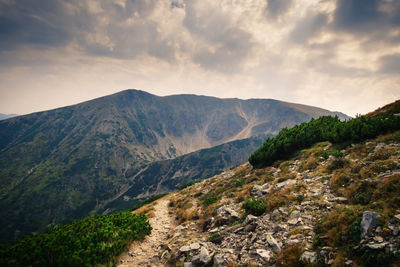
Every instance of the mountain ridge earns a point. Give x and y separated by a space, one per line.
63 163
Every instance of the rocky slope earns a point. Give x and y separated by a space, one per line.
69 162
326 206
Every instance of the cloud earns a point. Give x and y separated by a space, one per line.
390 64
311 51
308 27
276 8
222 44
363 17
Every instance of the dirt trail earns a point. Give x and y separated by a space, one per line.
147 252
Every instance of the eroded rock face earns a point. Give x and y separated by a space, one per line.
369 221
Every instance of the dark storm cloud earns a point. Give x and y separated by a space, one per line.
275 8
308 27
390 64
33 23
365 16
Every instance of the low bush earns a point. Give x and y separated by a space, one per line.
254 207
87 242
208 200
215 238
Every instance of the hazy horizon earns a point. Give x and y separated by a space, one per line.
340 55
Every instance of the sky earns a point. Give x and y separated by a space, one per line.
342 55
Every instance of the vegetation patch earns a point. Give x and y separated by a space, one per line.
254 207
326 128
87 242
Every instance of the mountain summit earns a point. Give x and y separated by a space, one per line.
68 162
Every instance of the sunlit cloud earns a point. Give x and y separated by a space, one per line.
342 55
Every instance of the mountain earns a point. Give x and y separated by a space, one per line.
65 163
7 116
326 204
167 175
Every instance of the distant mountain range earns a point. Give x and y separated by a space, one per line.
92 157
7 116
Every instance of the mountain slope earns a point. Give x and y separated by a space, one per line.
7 116
167 175
66 163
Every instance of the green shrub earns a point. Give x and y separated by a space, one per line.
87 242
208 200
215 238
239 183
254 207
325 128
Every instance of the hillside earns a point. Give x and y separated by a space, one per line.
69 162
329 204
7 116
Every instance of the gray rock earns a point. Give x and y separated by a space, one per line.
369 221
195 246
218 260
348 263
309 256
272 242
285 184
204 256
293 221
225 211
295 214
377 246
266 254
187 264
250 219
184 249
259 190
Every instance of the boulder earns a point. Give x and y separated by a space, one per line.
250 219
204 256
369 221
272 242
259 190
264 254
226 211
309 256
184 249
195 246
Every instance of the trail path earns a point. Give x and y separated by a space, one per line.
147 252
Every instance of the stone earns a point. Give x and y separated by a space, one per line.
218 260
204 256
285 184
295 214
195 246
348 263
184 249
293 221
264 254
187 264
397 217
250 219
369 221
272 242
259 190
376 246
225 211
340 199
309 256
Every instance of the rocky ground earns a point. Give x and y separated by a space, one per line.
228 236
